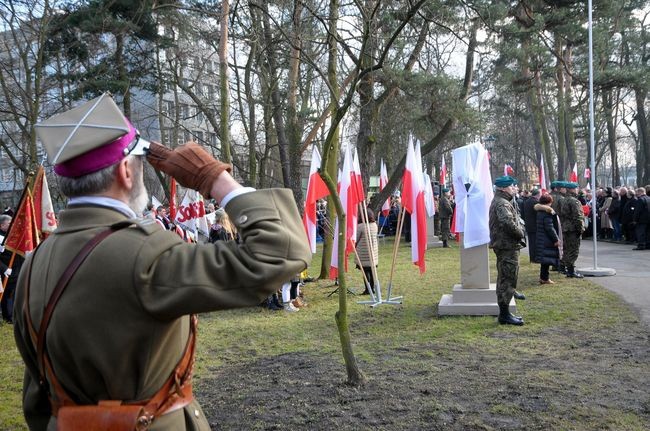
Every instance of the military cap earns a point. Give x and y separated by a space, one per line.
505 181
89 137
445 190
570 185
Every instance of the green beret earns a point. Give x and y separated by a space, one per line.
554 184
445 190
570 185
505 181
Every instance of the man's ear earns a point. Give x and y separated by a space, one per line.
125 174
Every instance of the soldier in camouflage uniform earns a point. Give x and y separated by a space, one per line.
506 239
446 210
571 218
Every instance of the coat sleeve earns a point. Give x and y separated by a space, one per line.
176 278
550 229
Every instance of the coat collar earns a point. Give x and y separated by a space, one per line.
81 217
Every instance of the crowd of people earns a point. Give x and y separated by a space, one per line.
553 224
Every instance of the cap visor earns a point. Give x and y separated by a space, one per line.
141 147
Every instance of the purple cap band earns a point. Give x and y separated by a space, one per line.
96 159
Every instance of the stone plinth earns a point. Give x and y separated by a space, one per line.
432 240
475 295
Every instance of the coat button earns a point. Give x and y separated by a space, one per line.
196 413
242 219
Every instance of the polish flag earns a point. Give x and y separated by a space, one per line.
574 174
349 207
587 173
316 189
413 202
507 170
443 174
383 180
43 208
358 194
542 175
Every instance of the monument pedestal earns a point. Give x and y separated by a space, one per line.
432 240
475 295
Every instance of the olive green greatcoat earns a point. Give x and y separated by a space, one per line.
572 220
121 326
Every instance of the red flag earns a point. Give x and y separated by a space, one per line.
587 173
43 208
383 180
23 235
507 170
574 174
542 175
443 174
413 202
172 199
316 189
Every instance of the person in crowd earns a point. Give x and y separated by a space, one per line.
506 239
120 330
606 226
572 221
446 211
627 217
530 221
161 215
614 212
368 249
641 219
8 274
548 241
222 228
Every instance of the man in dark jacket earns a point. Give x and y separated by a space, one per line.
506 239
627 217
642 219
530 220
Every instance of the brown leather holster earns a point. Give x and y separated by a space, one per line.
107 415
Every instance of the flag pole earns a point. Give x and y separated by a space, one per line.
398 237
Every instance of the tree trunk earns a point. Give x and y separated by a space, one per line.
611 135
568 109
643 155
560 100
224 115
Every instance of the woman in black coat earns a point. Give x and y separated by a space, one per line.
548 239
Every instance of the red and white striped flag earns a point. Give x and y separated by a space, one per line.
316 189
413 202
507 169
383 180
574 174
443 174
542 175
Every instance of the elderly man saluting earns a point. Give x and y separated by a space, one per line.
105 306
506 239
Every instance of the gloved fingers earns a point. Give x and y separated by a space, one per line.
157 153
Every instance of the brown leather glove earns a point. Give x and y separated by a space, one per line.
190 164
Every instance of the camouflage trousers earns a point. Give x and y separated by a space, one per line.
445 232
507 274
570 248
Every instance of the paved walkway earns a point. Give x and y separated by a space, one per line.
632 279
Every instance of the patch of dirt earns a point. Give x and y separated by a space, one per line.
583 381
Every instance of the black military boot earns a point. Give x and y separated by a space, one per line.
505 317
518 295
444 243
571 273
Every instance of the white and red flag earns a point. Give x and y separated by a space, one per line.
587 173
346 195
542 175
413 202
507 169
190 215
574 174
443 174
383 180
43 208
316 189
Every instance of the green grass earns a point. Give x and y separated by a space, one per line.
567 324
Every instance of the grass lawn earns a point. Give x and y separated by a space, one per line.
580 362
